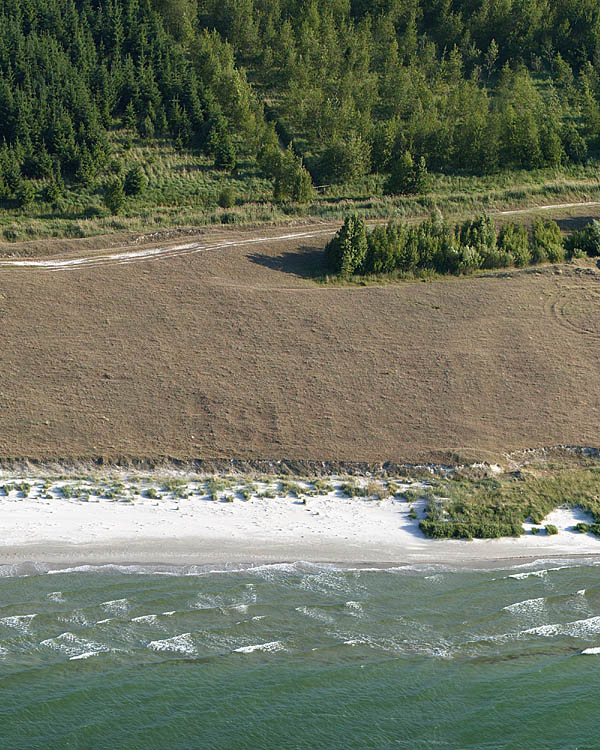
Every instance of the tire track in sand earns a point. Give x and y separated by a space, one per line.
69 264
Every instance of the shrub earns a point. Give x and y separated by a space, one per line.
151 493
535 530
551 529
407 178
114 196
514 239
547 242
375 491
53 191
353 490
292 180
582 528
291 488
469 530
225 155
586 240
322 487
226 198
344 161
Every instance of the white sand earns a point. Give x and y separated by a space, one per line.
200 530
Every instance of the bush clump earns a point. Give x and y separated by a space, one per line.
474 530
551 530
434 246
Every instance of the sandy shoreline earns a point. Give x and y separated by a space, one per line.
197 555
142 522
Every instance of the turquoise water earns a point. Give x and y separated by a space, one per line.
300 656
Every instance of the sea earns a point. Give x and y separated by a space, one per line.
300 656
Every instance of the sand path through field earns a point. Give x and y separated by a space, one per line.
130 256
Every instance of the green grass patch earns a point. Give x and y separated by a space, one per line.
492 508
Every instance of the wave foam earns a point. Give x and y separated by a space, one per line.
72 645
86 655
354 608
575 629
22 623
527 606
145 618
179 644
316 614
590 651
116 606
266 647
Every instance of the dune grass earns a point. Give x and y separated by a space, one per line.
495 507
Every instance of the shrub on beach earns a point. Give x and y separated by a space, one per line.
474 530
551 529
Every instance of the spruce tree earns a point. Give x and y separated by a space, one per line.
114 196
347 251
135 181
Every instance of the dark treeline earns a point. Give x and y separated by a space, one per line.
396 87
436 246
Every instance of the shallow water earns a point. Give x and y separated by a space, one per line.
300 656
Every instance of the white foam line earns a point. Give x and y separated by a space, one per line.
129 257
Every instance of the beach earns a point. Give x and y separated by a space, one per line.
142 521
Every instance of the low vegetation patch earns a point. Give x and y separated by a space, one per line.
492 508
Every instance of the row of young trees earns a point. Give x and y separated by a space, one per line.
436 246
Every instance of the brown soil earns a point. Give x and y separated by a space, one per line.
234 353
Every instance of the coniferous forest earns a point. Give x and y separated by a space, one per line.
283 100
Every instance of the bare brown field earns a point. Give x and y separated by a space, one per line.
232 353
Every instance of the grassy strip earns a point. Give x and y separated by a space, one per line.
496 507
185 189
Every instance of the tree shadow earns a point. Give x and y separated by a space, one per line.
572 223
305 262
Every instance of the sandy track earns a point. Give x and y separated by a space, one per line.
547 208
57 264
